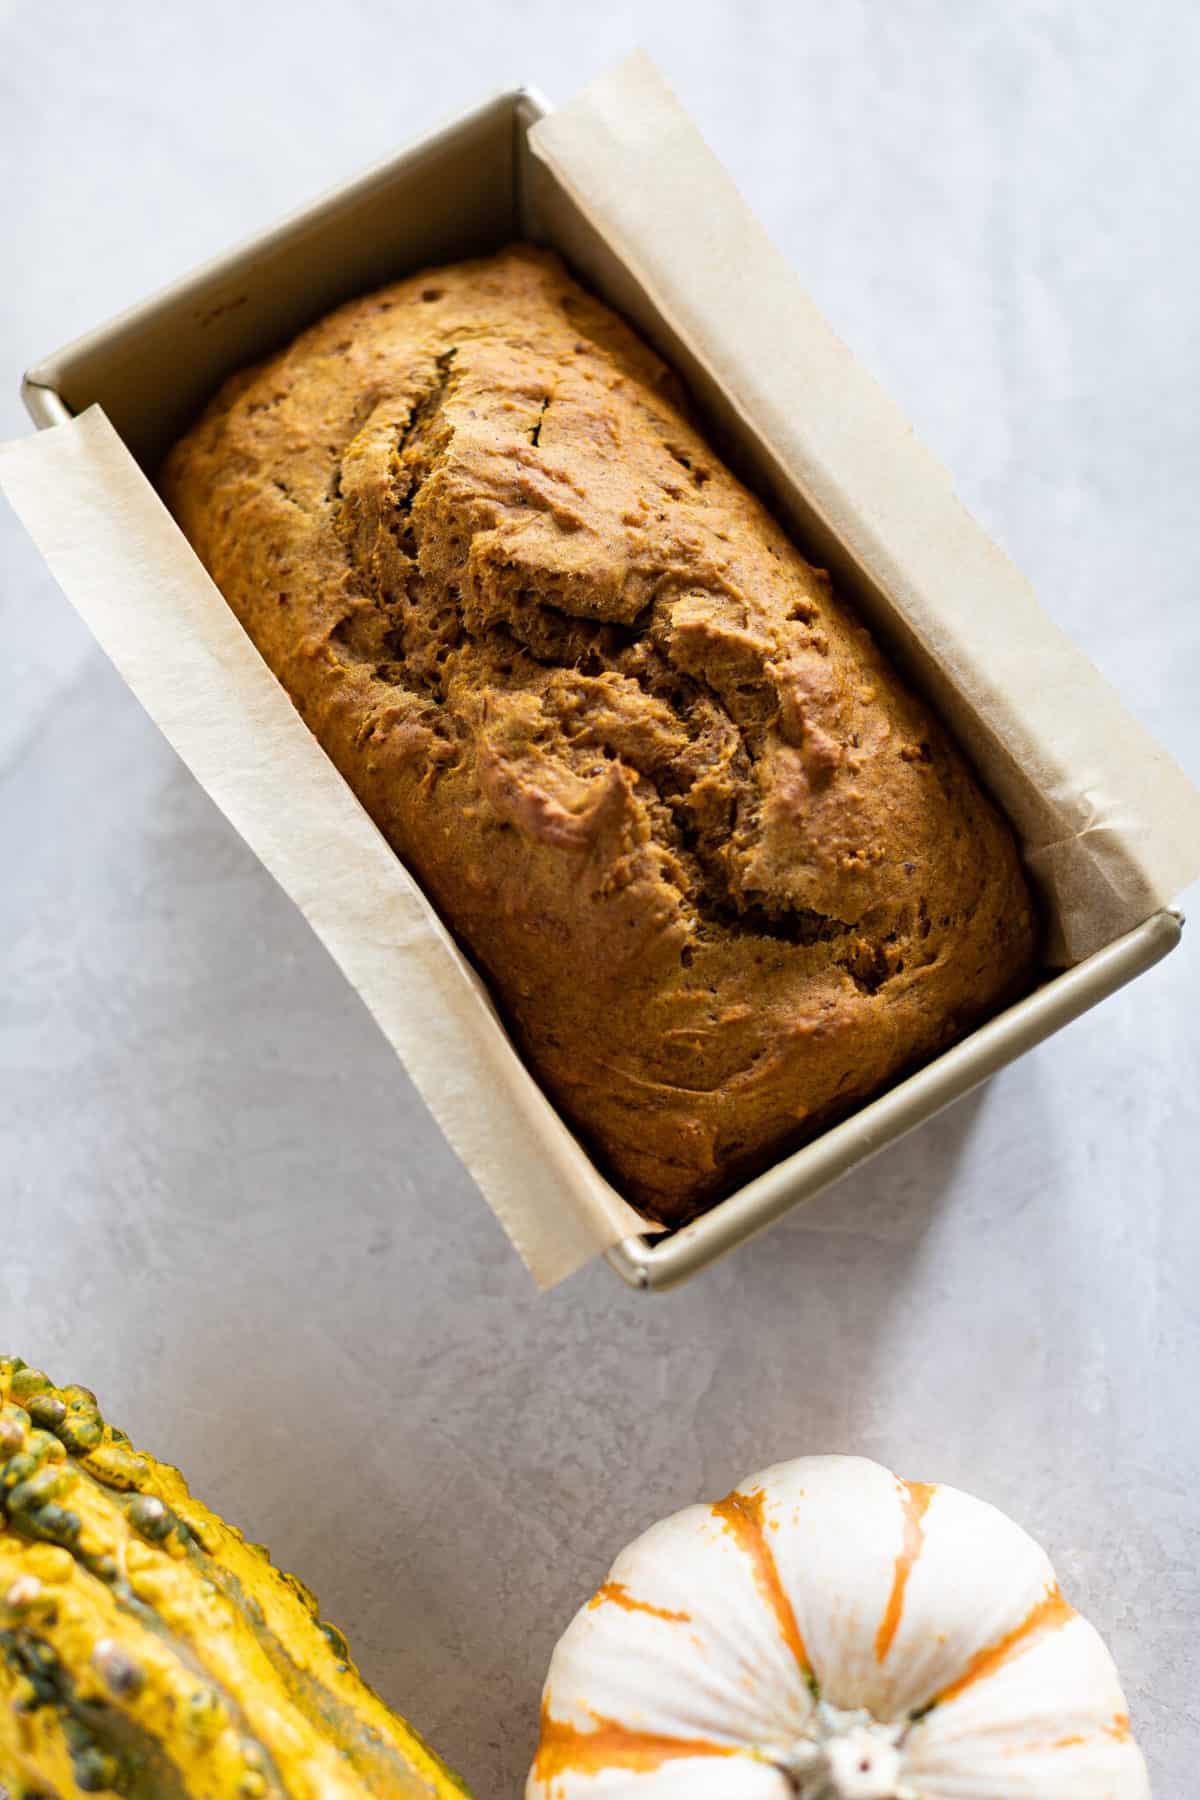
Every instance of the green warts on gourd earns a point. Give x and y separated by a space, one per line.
148 1651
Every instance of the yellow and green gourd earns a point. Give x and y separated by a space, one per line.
148 1650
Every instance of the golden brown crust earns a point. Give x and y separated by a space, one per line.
724 873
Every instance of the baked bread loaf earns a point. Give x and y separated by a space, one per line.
724 874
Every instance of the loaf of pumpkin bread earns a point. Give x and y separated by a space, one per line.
725 875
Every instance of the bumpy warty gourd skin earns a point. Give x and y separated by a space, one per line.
148 1651
723 872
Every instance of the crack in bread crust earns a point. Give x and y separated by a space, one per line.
724 873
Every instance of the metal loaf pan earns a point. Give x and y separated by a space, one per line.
461 191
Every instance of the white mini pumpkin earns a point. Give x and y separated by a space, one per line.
831 1632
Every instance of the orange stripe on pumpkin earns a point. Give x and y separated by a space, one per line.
743 1515
619 1595
565 1749
1120 1729
1050 1614
915 1498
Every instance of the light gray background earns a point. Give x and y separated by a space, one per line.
223 1206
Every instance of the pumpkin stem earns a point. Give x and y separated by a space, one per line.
849 1756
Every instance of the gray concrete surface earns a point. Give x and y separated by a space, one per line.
221 1204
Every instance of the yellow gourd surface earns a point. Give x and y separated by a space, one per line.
148 1650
